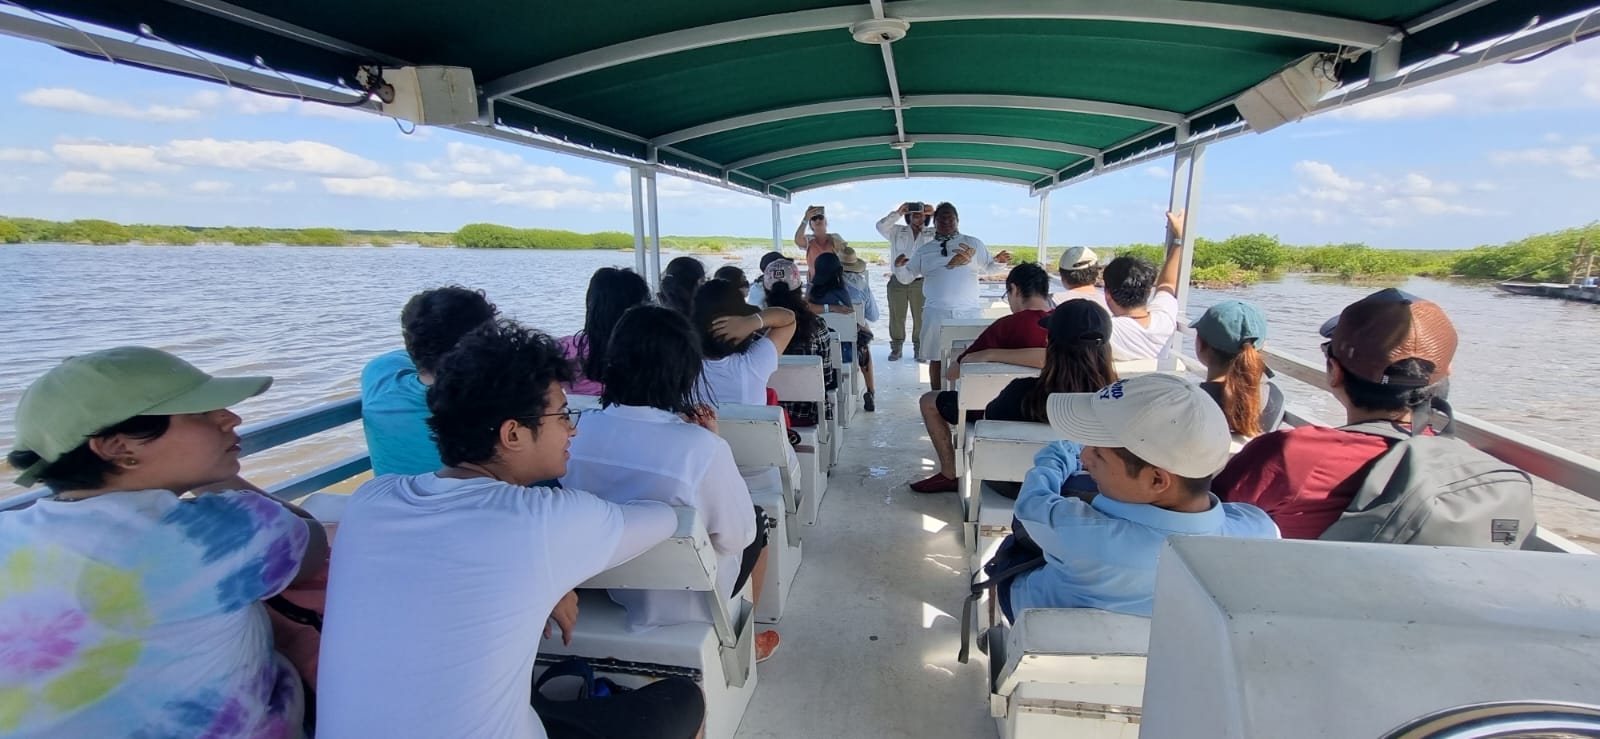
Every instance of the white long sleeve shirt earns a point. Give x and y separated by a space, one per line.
901 240
945 287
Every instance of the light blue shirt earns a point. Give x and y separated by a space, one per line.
394 415
861 296
1103 554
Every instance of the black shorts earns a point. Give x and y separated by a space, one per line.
747 563
672 708
945 402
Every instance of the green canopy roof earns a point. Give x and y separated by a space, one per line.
780 96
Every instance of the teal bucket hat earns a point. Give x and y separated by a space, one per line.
1230 324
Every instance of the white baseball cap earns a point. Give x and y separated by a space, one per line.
1163 419
1077 257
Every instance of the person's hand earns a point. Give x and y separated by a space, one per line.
704 416
1062 456
902 260
841 309
902 209
1003 257
1175 223
954 373
565 615
962 256
735 328
811 211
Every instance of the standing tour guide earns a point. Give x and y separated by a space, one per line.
903 240
950 264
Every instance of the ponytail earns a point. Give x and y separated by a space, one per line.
1241 391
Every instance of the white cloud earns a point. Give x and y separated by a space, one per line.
307 157
1577 161
480 164
1383 201
284 186
1155 172
77 101
14 155
1322 182
1400 105
239 101
1241 212
381 187
111 157
210 187
100 183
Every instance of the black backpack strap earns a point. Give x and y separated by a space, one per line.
295 612
1004 577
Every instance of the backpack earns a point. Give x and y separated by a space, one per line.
1016 555
1436 490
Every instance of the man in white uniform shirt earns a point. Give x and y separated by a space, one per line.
904 239
950 265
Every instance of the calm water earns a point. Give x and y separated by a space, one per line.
311 317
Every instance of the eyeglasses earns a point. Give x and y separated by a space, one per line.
570 415
1327 349
817 218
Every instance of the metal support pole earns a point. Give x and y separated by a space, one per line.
1191 164
777 226
655 229
635 177
1044 230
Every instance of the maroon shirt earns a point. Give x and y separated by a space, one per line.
1302 477
1020 330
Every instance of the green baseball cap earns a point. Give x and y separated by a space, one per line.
1228 325
89 392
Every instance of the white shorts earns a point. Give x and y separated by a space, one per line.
931 320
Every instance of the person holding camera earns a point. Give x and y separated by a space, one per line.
904 239
951 263
819 242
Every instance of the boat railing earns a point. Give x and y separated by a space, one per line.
259 437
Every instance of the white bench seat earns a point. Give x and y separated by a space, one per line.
1075 672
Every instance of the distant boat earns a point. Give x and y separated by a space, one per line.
1585 288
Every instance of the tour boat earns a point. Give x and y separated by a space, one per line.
774 98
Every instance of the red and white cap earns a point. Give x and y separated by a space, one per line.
1163 419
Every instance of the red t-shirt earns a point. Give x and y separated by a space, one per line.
1019 330
1302 477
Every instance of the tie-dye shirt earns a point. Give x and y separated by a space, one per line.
138 614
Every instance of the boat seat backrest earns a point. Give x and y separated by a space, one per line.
756 435
844 325
799 378
1089 655
685 561
1004 450
952 330
980 382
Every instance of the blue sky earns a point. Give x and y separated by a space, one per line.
1480 158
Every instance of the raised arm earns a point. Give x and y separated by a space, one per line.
1030 357
778 321
1167 278
887 223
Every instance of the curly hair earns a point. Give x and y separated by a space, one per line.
1129 281
654 361
434 320
499 372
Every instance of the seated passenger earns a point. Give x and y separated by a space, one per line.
733 274
1228 338
1142 322
126 610
653 440
866 305
1388 358
679 280
828 293
782 280
611 293
1077 360
1080 270
394 407
739 361
1151 443
758 292
1015 339
444 582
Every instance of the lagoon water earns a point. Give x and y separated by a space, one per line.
311 317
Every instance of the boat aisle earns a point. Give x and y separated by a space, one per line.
871 630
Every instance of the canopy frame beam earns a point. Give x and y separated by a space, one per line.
915 175
939 138
856 105
928 162
1285 23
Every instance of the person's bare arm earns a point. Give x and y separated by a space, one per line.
779 323
1029 357
1167 278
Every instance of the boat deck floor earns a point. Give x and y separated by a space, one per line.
871 630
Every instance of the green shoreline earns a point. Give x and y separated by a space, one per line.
1237 260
